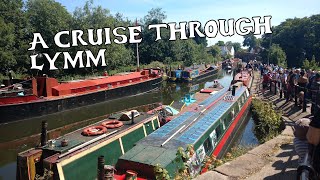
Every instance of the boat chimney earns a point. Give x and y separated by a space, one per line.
234 90
64 143
132 117
101 170
44 126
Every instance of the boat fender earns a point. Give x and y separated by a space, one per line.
94 130
112 124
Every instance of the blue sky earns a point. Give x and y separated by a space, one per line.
205 10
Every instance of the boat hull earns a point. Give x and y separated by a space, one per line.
16 112
226 141
195 79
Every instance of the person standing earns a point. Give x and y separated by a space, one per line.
290 82
302 83
315 97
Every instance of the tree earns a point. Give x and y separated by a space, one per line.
313 64
14 36
43 20
277 55
154 16
7 40
200 40
251 41
236 46
90 16
298 37
215 51
220 43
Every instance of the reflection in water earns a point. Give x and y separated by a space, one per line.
67 121
247 138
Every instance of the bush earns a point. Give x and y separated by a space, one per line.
268 122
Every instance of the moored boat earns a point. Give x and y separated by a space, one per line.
209 126
73 156
42 95
193 73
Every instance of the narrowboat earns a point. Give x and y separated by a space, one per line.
193 73
209 126
42 95
74 155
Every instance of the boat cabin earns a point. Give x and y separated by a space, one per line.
208 128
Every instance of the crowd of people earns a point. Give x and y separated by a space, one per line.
286 80
305 84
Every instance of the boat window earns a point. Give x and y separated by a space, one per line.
219 131
98 87
232 113
207 146
213 137
223 124
247 93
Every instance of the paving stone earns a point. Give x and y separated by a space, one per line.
242 166
212 175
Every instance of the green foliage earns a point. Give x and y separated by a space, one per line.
298 37
277 55
251 41
19 21
155 64
268 122
182 156
161 173
237 47
14 36
215 50
220 43
313 64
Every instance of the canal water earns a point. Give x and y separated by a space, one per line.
22 135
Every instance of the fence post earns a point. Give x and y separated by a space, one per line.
295 95
304 107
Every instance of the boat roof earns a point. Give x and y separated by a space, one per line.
194 124
95 82
76 138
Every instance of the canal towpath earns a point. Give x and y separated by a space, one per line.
276 158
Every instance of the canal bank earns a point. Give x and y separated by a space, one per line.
275 159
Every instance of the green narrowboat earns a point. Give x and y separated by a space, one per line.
73 156
209 127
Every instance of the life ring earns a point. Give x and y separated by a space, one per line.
112 124
94 130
